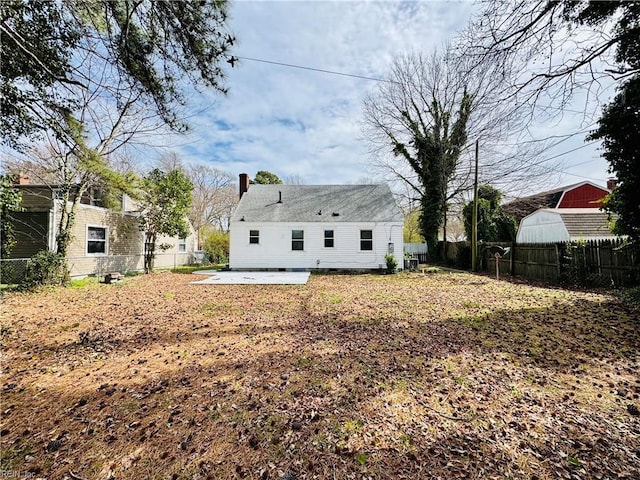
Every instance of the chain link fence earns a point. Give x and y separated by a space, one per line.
13 270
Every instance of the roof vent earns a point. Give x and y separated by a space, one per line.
319 212
279 196
335 214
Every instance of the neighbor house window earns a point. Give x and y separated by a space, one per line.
366 239
96 240
254 236
297 239
182 245
328 238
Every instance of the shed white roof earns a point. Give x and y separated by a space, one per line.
318 203
563 225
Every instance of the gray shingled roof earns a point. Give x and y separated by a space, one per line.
318 203
586 224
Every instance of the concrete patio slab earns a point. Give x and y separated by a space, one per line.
252 278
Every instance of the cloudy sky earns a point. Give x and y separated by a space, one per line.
305 124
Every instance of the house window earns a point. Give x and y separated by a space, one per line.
328 238
366 239
96 240
297 239
182 245
254 237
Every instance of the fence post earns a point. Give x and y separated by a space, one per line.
512 260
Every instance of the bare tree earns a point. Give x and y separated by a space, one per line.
560 48
214 192
422 97
294 180
79 162
214 195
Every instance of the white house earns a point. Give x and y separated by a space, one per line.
550 225
309 227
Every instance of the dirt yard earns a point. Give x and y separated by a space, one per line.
410 376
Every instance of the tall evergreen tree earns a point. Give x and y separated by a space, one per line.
494 225
618 129
264 177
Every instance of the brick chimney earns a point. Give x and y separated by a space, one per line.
23 179
612 182
244 184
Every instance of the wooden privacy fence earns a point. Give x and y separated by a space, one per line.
587 263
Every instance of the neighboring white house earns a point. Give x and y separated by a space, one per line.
315 227
550 225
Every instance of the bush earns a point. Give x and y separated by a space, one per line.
216 246
46 268
392 263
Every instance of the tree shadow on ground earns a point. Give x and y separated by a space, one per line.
337 395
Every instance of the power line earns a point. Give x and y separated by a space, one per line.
332 72
570 151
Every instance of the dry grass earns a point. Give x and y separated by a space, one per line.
406 376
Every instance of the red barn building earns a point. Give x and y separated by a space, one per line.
579 195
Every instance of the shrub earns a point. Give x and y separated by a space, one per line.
46 268
216 246
392 263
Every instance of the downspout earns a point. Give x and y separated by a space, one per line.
51 230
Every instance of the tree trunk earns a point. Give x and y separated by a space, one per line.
67 219
149 252
444 235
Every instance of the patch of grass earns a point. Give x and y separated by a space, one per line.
475 321
305 361
573 461
195 268
13 457
432 270
630 296
84 282
471 305
460 380
351 426
65 328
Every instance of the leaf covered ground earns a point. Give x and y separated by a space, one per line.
410 376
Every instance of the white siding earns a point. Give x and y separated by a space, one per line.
542 226
274 249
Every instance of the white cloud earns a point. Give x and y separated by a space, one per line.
304 123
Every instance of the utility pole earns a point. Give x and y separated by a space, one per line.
474 219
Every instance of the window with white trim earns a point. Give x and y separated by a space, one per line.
254 237
97 240
328 238
366 239
182 245
297 239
